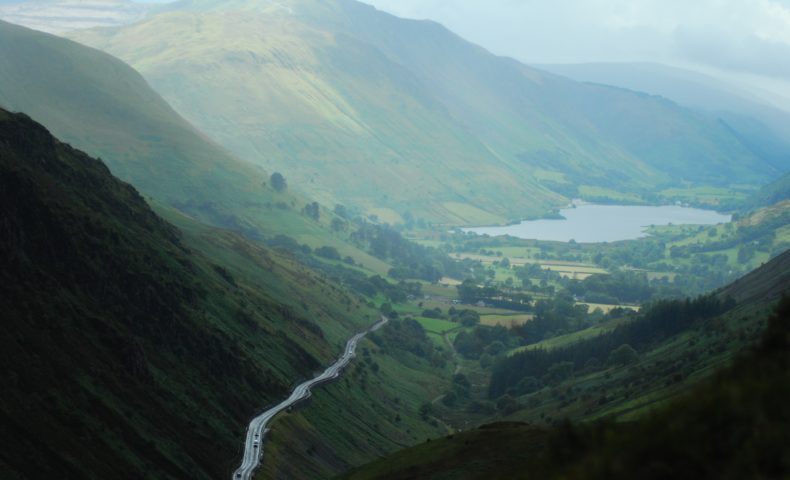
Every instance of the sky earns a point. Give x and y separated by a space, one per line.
745 41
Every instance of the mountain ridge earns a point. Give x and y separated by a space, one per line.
444 130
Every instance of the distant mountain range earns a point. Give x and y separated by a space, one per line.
58 16
405 119
765 127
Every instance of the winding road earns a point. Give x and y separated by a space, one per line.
253 449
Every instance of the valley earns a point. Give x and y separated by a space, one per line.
304 239
461 137
256 433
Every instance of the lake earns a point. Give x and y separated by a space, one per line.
589 223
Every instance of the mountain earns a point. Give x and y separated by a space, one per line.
128 353
57 16
102 106
734 424
138 349
771 194
403 118
763 127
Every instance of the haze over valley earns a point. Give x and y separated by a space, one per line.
314 239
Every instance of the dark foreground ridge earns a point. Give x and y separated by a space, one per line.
118 335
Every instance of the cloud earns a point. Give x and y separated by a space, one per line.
738 35
746 54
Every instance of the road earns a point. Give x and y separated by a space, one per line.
253 446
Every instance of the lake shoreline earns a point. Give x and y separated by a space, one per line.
585 222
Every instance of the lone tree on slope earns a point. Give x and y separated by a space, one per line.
278 182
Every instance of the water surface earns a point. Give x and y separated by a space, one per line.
589 223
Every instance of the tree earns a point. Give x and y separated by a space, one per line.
312 210
338 225
327 252
278 182
623 355
341 211
426 410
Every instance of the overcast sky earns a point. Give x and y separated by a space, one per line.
747 40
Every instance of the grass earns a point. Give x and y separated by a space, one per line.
435 325
711 196
505 320
566 340
589 192
606 308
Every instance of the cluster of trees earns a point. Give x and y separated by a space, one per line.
369 286
618 287
662 320
470 292
409 259
556 316
408 335
459 390
483 341
312 210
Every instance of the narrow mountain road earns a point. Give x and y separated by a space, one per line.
253 449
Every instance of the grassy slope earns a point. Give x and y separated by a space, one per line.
775 192
358 419
102 106
734 425
667 369
158 343
326 90
131 350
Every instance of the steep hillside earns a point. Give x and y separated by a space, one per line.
771 194
734 425
102 106
763 127
126 352
764 285
401 116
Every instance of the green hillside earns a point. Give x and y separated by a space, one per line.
771 194
102 106
734 424
138 349
128 353
398 116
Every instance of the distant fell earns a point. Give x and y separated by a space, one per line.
102 106
405 118
760 124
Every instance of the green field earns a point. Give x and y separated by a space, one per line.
435 325
505 320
